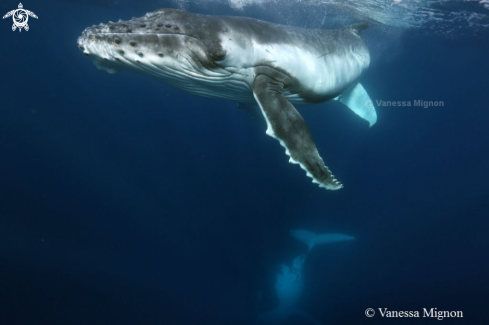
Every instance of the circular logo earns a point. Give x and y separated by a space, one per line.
20 18
369 104
369 312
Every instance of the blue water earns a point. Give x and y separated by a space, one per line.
125 201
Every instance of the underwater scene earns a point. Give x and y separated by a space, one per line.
244 162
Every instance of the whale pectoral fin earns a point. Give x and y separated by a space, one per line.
285 124
357 99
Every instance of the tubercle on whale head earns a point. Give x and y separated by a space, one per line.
156 38
152 23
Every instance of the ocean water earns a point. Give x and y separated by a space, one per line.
126 201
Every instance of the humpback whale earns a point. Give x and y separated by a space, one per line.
289 282
248 61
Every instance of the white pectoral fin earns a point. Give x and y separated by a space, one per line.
357 99
311 239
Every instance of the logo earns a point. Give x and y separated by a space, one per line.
20 17
369 104
369 312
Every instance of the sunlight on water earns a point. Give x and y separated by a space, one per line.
438 17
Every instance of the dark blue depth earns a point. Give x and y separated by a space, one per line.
124 201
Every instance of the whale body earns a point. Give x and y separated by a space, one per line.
290 283
247 61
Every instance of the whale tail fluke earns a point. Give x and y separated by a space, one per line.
305 236
311 239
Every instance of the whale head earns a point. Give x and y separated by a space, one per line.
166 44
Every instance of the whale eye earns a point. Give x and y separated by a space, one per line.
218 54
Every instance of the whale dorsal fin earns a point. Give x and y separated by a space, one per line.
286 125
357 99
